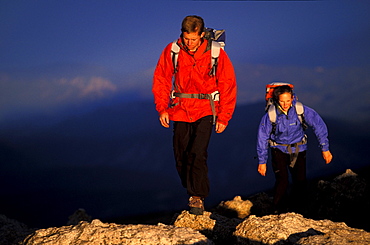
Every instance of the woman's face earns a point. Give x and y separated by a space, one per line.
285 101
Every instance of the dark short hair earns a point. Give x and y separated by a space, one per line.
192 23
282 90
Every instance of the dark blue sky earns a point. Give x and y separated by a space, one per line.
56 53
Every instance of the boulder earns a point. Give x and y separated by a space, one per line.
236 207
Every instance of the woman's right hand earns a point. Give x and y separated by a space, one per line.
262 169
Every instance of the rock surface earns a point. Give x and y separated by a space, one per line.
96 233
291 228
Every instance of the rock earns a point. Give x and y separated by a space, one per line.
216 227
262 204
197 222
292 228
77 216
236 207
12 231
96 233
345 199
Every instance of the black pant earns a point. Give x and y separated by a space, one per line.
280 166
190 144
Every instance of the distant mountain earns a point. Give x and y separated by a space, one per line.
117 160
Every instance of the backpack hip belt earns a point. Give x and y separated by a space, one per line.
293 156
212 97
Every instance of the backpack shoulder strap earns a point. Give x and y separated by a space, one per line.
300 110
215 52
175 49
271 111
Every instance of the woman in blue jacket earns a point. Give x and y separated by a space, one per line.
287 141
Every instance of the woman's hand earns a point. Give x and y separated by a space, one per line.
327 156
262 169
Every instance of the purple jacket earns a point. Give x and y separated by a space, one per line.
289 131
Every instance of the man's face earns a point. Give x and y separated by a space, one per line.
192 40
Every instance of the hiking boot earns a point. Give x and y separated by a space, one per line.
196 205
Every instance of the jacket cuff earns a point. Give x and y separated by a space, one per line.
222 122
324 147
162 111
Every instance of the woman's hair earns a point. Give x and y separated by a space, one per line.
192 23
282 90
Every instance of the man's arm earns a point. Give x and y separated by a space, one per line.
228 90
162 84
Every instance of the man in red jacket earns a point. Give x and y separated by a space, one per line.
199 99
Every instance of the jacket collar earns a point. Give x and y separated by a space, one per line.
199 52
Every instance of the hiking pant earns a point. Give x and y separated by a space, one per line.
190 144
280 166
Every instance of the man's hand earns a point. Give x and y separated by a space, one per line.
164 118
220 127
327 156
262 169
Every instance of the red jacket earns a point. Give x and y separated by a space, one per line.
193 77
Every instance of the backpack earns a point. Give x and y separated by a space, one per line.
271 108
217 38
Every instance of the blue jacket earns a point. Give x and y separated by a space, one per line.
289 131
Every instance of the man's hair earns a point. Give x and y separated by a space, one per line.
192 23
282 90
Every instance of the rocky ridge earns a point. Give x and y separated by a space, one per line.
237 221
